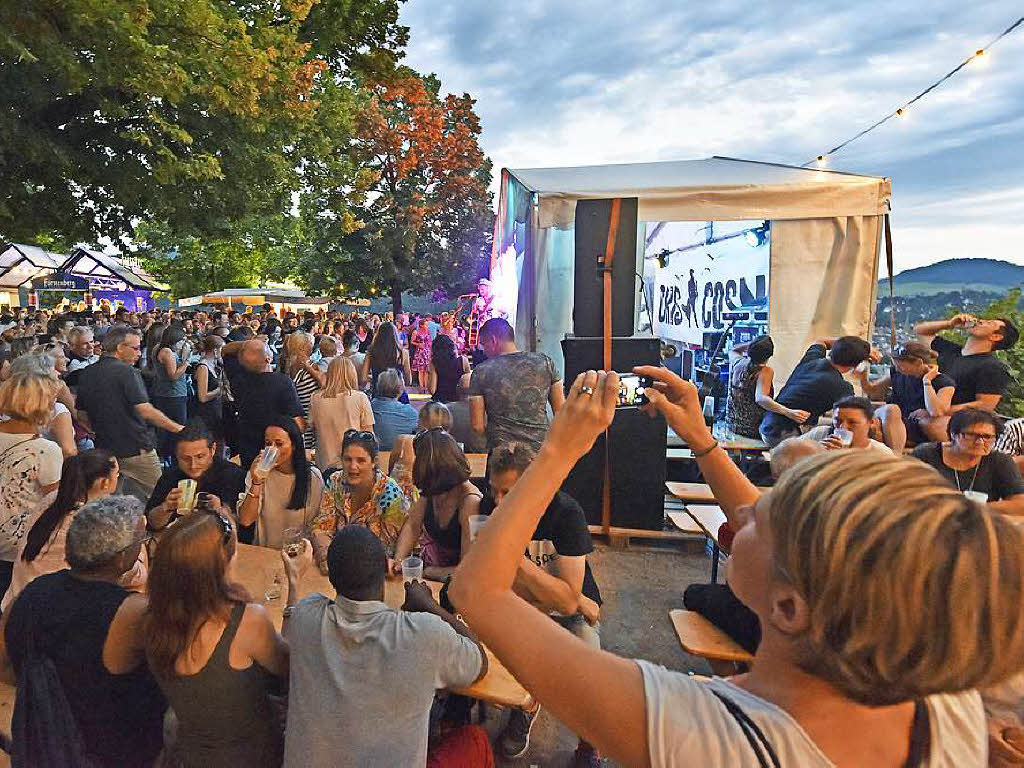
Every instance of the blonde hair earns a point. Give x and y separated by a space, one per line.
341 378
912 589
29 396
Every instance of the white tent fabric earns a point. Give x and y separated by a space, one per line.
824 243
716 189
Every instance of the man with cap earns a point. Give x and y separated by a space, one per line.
917 397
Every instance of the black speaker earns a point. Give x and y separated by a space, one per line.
592 219
636 442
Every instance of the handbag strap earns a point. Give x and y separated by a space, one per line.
755 736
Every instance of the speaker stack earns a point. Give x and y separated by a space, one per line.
635 443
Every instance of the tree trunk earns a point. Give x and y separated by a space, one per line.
396 297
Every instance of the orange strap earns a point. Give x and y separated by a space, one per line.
888 266
607 259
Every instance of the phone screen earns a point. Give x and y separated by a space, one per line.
631 390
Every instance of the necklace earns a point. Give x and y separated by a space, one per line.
956 474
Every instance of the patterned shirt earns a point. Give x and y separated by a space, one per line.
1012 439
515 390
383 513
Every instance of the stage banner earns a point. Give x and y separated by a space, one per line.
711 268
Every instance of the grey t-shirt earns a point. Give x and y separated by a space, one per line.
515 390
688 725
362 679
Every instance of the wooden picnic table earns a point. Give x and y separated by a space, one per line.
729 440
696 493
251 563
700 637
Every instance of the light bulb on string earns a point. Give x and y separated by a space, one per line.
980 58
822 160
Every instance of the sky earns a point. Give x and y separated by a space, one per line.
563 83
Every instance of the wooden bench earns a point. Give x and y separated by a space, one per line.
685 523
699 637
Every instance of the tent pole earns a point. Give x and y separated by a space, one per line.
888 266
605 266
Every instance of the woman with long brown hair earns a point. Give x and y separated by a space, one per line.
212 651
385 353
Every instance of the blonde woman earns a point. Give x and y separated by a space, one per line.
884 595
30 465
336 409
298 349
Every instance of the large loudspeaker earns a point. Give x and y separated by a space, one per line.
592 219
636 443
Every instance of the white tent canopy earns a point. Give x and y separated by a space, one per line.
826 229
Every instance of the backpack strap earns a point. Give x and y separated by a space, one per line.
920 737
755 736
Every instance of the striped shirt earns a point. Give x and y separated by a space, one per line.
305 386
1012 439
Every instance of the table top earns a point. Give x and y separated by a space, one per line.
685 523
251 563
729 440
699 493
700 637
708 516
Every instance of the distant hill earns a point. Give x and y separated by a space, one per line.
986 275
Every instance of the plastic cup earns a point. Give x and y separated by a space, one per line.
979 496
476 524
845 437
273 580
412 568
292 541
267 460
187 499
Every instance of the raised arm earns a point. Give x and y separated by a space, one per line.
677 400
768 403
927 330
563 673
936 402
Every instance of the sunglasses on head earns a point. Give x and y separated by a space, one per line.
420 433
225 525
355 434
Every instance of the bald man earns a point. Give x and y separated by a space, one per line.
260 396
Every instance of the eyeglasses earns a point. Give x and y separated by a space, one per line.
355 434
977 437
225 525
422 432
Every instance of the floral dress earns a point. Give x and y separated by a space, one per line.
384 513
422 360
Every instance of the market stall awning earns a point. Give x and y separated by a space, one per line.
254 296
20 263
104 268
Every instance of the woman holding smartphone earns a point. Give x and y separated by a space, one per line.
823 561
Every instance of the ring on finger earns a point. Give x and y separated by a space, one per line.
585 390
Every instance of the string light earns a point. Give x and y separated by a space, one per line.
980 55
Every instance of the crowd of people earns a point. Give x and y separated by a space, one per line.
139 451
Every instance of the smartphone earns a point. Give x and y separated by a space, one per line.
631 390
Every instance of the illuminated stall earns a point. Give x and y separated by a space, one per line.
19 264
245 299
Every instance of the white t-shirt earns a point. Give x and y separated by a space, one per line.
27 463
820 433
688 725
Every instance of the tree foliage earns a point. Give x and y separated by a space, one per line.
421 202
182 111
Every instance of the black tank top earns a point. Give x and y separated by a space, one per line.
448 374
449 538
223 713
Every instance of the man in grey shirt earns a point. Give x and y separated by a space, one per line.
363 676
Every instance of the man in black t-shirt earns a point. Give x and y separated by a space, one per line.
981 378
260 396
815 385
917 408
554 576
196 457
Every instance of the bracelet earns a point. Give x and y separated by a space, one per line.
706 451
288 611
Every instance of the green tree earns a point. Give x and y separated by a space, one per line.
420 208
188 112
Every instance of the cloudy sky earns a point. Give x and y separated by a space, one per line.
564 82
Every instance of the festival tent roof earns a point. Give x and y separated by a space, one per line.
713 189
94 264
20 263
